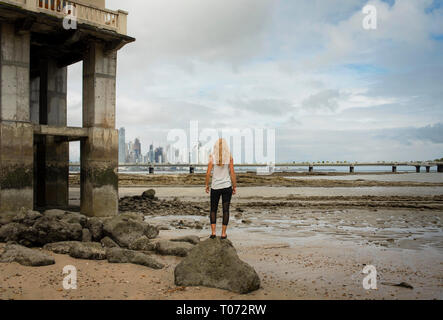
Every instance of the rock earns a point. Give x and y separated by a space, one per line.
12 232
95 225
87 250
6 218
246 221
25 256
63 247
171 248
149 194
50 229
26 217
142 244
118 255
86 235
66 216
215 263
125 230
108 243
190 239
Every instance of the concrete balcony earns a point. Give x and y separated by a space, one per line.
86 13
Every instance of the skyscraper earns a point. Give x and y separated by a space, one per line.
121 145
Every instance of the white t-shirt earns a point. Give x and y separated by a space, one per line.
221 177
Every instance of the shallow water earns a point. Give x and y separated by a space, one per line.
433 177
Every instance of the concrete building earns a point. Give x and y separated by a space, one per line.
36 49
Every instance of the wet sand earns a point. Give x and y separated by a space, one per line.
304 242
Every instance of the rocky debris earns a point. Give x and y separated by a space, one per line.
215 263
119 255
13 232
26 217
149 194
95 225
51 228
246 221
190 239
63 247
125 229
86 235
67 217
184 224
108 243
142 244
6 218
172 248
25 256
87 250
148 204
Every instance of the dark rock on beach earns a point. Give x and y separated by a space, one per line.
142 244
125 229
63 247
109 243
25 256
215 263
190 239
87 250
95 225
119 255
171 248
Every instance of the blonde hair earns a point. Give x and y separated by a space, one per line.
221 154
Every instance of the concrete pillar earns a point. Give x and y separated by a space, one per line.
151 170
351 169
394 169
16 131
440 168
311 169
99 153
99 72
99 167
428 169
417 169
53 112
191 170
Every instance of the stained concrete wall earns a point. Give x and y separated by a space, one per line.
99 180
53 165
16 132
95 3
99 153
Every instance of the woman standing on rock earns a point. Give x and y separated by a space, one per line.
223 183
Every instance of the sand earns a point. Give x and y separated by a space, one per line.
304 242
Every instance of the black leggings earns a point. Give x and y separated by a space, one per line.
226 195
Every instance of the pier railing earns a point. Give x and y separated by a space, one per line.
85 13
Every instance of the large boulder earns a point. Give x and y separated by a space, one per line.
190 239
53 229
142 244
149 194
215 263
95 225
26 217
63 247
25 256
119 255
13 232
66 216
172 248
125 229
87 250
108 243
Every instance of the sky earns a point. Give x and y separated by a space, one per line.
331 90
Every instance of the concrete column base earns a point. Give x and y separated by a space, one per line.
417 169
311 169
16 166
394 169
440 168
57 173
191 170
351 169
428 169
151 170
98 178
